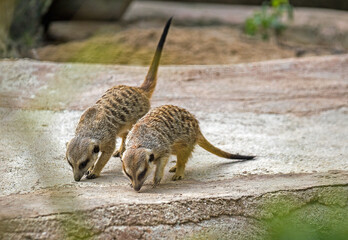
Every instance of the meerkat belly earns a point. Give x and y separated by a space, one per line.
179 146
183 140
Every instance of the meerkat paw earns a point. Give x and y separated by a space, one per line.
91 175
173 169
156 181
117 154
177 177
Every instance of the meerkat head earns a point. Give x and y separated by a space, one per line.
81 154
137 164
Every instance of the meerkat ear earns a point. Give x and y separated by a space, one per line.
150 155
96 149
95 145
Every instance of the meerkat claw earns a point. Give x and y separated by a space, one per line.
91 176
117 154
157 181
176 177
155 184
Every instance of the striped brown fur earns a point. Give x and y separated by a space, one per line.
111 116
164 131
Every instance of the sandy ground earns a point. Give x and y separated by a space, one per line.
291 113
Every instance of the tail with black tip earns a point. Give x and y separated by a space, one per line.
203 142
151 78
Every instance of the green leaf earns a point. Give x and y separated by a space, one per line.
269 19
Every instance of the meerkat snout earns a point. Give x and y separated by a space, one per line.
137 165
81 155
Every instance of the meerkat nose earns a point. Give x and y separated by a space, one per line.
137 188
77 178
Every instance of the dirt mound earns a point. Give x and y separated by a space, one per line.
207 45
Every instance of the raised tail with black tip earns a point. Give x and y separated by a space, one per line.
151 78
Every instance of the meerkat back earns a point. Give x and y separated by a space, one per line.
112 115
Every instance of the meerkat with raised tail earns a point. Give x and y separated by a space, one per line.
164 131
111 116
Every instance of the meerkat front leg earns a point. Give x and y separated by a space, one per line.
179 168
122 148
98 167
160 164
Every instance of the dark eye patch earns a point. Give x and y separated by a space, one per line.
83 164
70 164
142 174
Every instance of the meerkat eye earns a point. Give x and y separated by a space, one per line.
83 164
96 149
142 174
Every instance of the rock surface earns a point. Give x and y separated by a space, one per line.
292 114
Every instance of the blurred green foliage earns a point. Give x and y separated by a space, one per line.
314 221
270 20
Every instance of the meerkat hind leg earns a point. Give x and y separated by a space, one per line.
177 148
182 158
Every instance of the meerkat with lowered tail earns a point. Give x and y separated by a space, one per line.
164 131
111 116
